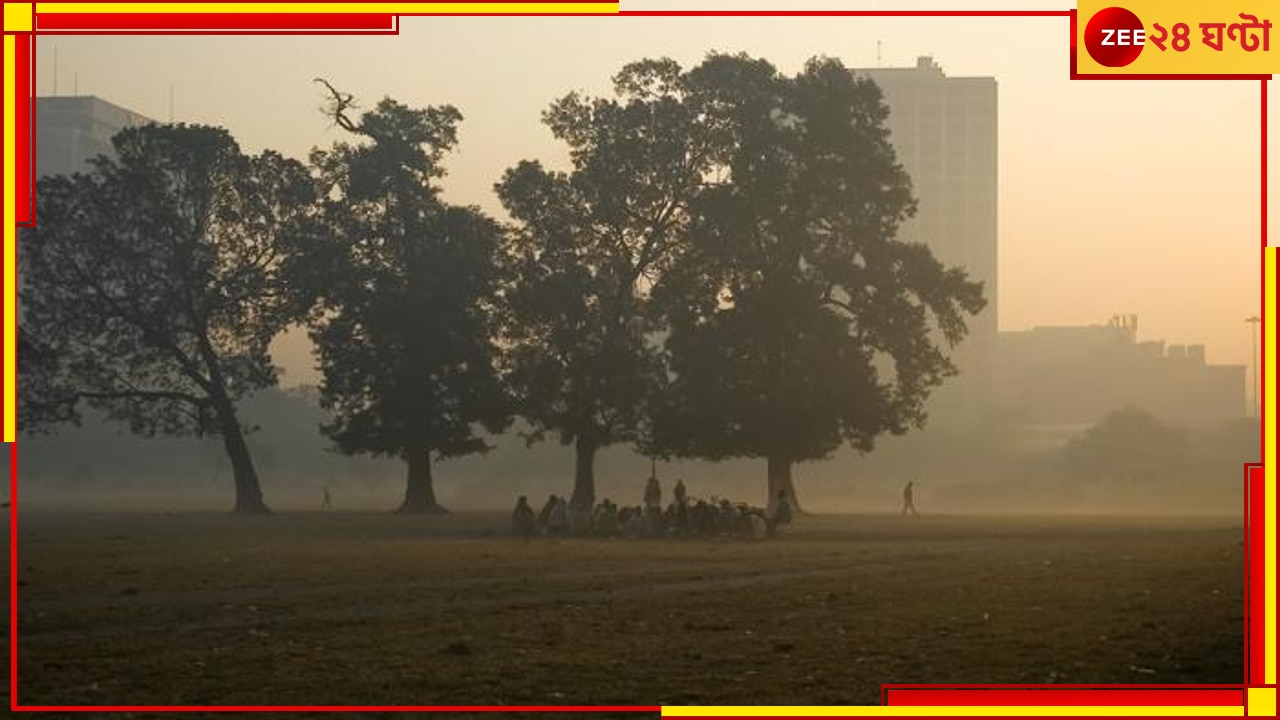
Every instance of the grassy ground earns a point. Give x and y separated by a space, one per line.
380 609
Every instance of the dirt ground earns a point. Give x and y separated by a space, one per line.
373 608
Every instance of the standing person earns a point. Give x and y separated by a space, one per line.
681 495
653 495
523 521
558 522
908 500
781 513
544 516
327 502
782 510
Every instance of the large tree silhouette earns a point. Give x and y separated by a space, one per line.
586 248
408 289
153 285
797 320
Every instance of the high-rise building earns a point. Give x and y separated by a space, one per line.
72 130
943 130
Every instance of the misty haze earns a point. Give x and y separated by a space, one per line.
725 371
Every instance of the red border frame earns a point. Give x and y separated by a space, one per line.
955 695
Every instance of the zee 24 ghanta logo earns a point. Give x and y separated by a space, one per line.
1115 36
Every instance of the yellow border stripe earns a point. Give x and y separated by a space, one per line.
953 711
1262 701
17 17
1269 456
409 8
10 233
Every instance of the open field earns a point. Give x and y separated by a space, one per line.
372 608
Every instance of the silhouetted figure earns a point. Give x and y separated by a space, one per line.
544 515
682 497
523 521
606 518
908 500
327 502
653 495
682 517
782 510
558 521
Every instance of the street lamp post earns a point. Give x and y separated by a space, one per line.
1254 322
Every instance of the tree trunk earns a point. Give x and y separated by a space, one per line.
584 478
780 479
419 493
248 490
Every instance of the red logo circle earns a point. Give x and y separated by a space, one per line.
1110 38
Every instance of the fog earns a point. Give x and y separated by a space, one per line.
1000 469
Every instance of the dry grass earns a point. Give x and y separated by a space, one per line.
380 609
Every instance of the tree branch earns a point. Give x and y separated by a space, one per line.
338 107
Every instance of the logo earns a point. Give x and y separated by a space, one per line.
1114 37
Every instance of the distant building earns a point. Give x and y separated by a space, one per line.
72 130
944 131
1073 376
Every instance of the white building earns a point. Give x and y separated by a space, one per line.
72 130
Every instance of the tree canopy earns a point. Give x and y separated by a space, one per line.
153 285
586 247
797 319
1129 445
408 290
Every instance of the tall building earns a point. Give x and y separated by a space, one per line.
943 130
72 130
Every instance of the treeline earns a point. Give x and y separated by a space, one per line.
715 276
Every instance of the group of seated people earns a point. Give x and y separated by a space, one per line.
684 516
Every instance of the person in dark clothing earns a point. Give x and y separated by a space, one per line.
544 517
523 522
908 500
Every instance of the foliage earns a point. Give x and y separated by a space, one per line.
153 285
587 246
408 289
798 320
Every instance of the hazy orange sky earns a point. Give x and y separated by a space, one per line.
1115 197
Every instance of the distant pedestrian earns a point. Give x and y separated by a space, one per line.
327 502
681 495
523 521
653 495
544 515
908 500
558 522
782 509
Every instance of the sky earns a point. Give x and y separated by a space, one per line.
1135 197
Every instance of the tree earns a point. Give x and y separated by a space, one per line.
1129 445
797 320
153 285
408 290
587 246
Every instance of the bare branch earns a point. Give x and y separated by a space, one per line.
338 106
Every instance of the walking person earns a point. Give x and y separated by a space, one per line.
908 500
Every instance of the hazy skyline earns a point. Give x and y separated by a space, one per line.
1115 197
